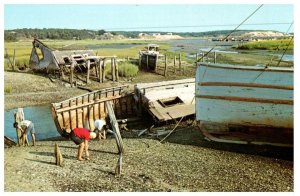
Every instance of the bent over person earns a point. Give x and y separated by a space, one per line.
26 126
81 137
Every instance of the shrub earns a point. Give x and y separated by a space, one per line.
127 69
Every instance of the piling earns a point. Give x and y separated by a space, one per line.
166 66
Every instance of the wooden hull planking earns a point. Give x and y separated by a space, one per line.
247 96
82 111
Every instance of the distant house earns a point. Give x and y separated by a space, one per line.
169 33
155 34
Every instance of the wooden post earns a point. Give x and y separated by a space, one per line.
156 60
140 61
147 62
72 72
215 57
88 72
166 66
19 117
113 74
58 156
175 63
6 53
96 69
180 62
202 56
100 71
196 57
117 69
103 70
14 60
127 58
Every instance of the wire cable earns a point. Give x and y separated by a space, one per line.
232 31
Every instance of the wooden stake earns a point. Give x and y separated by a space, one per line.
140 61
147 62
175 64
100 71
14 60
88 72
113 74
58 156
215 57
72 72
180 62
103 70
117 69
166 66
156 62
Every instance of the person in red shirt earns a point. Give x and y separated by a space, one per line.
81 137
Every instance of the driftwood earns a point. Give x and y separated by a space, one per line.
22 137
116 133
58 156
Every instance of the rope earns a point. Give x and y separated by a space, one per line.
232 31
135 151
277 48
285 51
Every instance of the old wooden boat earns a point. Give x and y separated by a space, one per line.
43 57
167 100
245 104
83 110
149 56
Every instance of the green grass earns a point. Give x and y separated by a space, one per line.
23 48
126 69
267 45
7 88
249 59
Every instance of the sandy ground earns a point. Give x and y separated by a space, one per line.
185 162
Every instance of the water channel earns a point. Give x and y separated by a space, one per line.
39 115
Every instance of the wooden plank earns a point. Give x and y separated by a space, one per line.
246 113
245 85
88 72
88 103
247 99
166 66
246 92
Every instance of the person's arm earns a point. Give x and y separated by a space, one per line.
86 147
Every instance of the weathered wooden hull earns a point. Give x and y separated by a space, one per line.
82 111
167 100
245 96
149 61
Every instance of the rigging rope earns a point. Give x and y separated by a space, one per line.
232 31
277 48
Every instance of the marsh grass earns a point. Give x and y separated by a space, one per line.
7 88
267 45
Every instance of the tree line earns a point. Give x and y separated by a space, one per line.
78 34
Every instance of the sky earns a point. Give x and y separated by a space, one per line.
149 17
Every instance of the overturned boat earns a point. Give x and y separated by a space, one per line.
245 104
45 58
